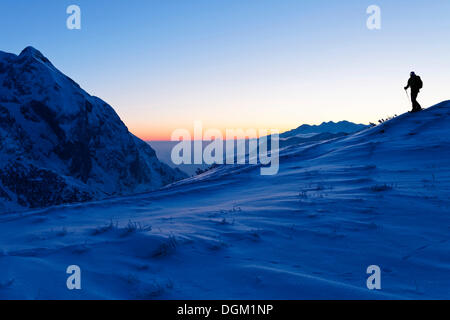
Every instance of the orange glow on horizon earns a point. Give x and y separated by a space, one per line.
166 134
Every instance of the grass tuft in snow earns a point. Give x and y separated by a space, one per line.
166 248
133 227
6 284
104 229
130 228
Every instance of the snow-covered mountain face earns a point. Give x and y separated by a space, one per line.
58 144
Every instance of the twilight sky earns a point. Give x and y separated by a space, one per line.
162 64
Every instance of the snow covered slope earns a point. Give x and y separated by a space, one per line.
377 197
59 145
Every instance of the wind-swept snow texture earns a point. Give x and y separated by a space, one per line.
60 145
376 197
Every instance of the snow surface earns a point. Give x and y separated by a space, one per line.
377 197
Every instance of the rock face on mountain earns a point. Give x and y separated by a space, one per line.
58 144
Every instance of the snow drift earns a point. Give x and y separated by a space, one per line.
376 197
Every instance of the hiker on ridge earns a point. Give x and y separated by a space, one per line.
415 83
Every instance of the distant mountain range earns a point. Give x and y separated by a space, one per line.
58 144
303 134
326 127
326 131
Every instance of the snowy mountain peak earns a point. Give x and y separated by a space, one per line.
30 54
31 51
58 144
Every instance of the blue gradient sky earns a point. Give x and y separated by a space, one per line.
240 63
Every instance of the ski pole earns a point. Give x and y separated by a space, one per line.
406 91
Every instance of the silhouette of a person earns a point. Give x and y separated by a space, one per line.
415 83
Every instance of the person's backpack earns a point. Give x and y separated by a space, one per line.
419 82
